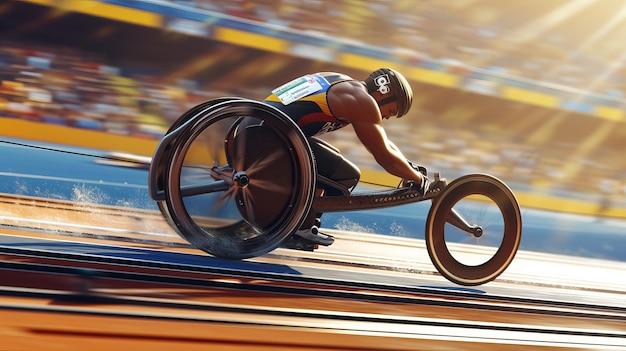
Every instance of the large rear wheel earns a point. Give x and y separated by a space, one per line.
156 179
267 194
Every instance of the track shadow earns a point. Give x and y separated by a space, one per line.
147 257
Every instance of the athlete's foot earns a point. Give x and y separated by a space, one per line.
313 234
297 243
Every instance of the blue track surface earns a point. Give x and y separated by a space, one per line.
59 172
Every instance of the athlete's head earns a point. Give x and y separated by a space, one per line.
393 87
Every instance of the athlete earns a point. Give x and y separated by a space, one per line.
327 101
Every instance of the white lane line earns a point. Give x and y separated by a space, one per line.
72 180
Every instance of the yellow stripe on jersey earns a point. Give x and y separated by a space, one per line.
318 99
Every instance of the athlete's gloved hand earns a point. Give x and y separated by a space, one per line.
418 168
420 186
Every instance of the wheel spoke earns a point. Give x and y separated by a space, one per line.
226 197
262 164
249 206
204 188
272 186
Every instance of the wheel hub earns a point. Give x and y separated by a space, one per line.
241 179
477 231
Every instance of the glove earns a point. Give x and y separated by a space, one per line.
418 168
422 186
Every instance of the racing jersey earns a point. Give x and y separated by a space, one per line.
304 100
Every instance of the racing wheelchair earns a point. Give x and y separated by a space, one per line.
273 187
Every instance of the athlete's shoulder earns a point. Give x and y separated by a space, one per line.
335 77
350 101
344 87
354 88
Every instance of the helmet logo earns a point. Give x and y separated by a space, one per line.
382 82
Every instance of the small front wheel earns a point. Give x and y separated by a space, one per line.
473 229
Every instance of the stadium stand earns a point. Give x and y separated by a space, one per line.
73 87
567 152
574 43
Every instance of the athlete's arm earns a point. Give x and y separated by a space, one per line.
374 138
350 101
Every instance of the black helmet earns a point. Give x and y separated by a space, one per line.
379 81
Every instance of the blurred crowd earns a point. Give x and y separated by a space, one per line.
77 88
554 168
551 41
71 87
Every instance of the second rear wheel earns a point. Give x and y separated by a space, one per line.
271 195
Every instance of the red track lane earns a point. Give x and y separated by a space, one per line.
66 303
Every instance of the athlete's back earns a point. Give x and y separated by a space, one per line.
305 100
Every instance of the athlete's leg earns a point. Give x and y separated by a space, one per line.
332 165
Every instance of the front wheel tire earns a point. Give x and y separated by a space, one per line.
487 203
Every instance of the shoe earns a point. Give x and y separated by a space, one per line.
313 234
297 243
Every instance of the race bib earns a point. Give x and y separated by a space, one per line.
300 87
